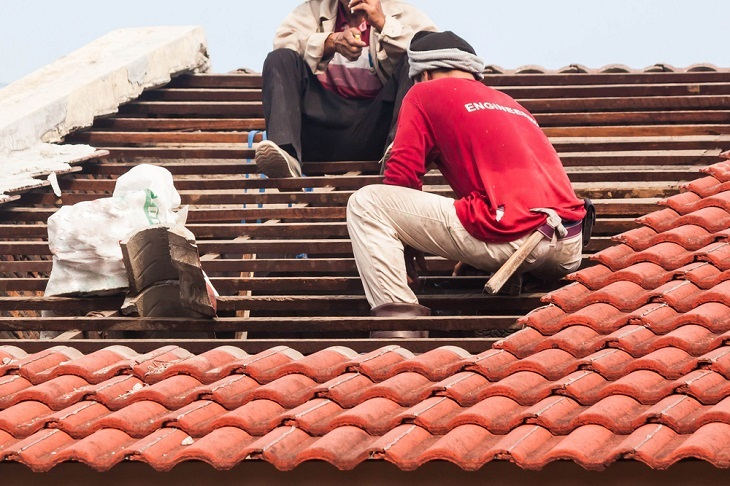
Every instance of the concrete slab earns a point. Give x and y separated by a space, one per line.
27 169
94 80
67 94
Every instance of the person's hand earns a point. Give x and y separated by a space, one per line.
373 11
458 269
348 43
415 261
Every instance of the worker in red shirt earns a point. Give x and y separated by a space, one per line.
494 156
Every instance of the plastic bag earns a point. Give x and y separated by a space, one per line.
84 238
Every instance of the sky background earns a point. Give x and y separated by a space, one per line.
508 33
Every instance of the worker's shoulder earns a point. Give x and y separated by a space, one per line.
446 86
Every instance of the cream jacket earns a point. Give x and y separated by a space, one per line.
306 29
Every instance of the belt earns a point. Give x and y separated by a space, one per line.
574 228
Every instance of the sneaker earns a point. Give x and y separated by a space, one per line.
275 163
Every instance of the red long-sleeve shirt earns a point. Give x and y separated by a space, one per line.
490 150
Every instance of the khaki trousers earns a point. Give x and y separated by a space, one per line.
382 218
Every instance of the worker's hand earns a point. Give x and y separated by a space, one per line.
373 11
415 261
458 269
348 43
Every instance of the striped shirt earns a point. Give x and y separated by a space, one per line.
352 79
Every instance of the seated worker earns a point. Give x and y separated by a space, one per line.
494 156
333 85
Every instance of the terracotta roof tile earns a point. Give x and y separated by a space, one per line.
551 405
631 360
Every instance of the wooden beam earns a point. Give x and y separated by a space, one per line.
578 175
560 79
650 117
217 81
123 123
605 207
252 94
292 304
296 284
259 324
252 346
328 246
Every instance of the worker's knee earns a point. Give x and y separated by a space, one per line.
279 58
361 202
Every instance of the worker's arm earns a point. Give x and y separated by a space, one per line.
299 32
413 145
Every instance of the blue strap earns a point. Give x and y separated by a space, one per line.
251 136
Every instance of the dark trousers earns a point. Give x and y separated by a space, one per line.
316 124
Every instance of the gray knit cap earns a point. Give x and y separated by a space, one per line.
442 50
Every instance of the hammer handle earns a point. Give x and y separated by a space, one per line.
514 262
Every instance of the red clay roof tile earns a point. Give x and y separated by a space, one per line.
628 361
257 417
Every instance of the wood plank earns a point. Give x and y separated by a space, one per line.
289 304
187 152
4 199
655 157
616 90
122 123
561 144
608 158
69 335
301 266
604 144
535 105
642 103
238 94
296 285
704 118
576 174
568 91
117 138
202 214
259 324
560 79
309 246
236 109
636 130
237 80
605 208
253 346
304 265
633 117
609 190
78 304
190 165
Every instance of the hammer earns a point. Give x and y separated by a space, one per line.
514 262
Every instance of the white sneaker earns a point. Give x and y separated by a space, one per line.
275 163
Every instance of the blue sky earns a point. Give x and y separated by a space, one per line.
552 33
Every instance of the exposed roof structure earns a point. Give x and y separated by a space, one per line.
627 362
